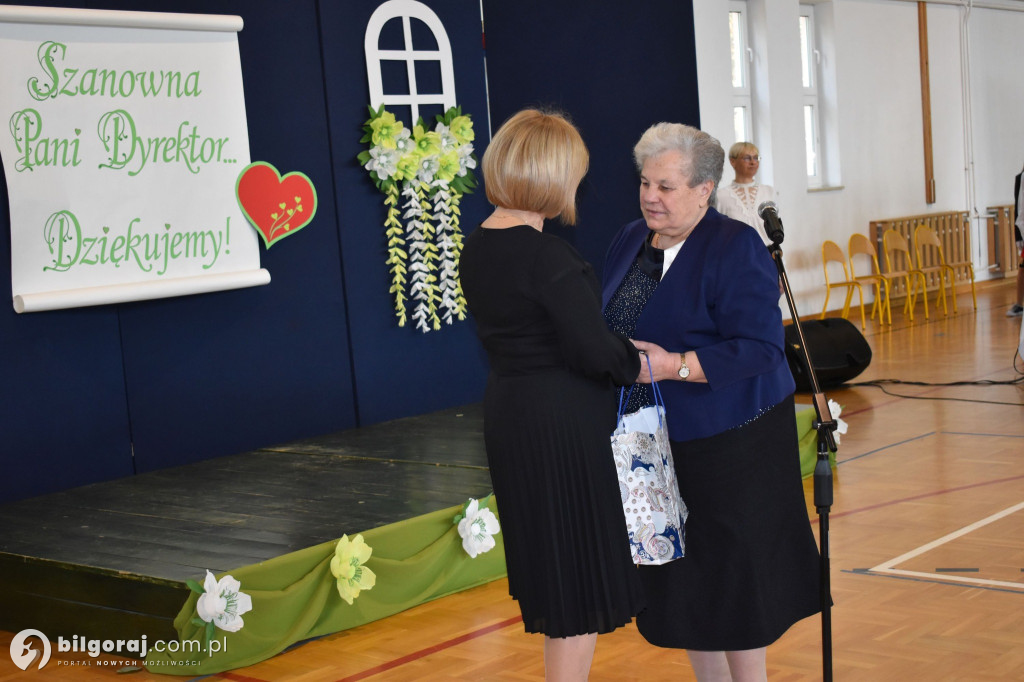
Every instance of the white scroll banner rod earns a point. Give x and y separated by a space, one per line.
139 291
20 14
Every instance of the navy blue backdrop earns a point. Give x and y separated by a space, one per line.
615 68
96 393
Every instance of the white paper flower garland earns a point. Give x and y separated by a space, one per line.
427 172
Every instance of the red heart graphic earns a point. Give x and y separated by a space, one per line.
276 206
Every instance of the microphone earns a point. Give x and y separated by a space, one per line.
772 223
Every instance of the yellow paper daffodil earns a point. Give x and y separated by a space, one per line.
347 566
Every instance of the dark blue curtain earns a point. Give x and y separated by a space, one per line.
615 68
96 393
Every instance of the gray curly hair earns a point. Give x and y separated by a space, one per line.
703 156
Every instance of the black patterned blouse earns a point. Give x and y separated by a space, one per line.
626 304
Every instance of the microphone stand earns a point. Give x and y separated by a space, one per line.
825 425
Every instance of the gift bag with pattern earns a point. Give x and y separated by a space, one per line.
655 512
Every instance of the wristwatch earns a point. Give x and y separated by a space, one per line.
684 371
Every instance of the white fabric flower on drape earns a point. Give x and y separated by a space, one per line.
477 529
223 603
836 409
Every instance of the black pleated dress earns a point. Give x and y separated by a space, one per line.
549 410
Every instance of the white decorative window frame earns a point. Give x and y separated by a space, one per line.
407 10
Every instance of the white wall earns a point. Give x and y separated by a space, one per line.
997 58
874 48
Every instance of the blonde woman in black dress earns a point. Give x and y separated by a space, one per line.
549 406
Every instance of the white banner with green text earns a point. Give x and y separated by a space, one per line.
126 134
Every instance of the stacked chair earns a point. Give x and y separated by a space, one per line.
897 252
926 240
860 245
832 253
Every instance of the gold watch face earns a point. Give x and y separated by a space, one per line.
684 372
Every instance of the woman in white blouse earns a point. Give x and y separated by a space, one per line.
741 198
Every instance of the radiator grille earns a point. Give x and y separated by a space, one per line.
953 230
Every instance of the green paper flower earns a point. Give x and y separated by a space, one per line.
408 166
461 128
347 566
448 166
385 130
428 143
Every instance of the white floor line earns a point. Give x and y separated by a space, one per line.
888 566
946 577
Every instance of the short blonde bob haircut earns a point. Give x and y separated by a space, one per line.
741 148
535 162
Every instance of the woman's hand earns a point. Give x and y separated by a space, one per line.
665 364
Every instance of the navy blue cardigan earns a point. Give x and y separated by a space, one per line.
720 298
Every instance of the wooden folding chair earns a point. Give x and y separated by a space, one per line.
896 250
860 245
831 253
924 239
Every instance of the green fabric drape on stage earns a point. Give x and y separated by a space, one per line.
805 416
294 596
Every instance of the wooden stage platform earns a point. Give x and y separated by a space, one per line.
113 556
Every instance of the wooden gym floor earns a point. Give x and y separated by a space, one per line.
927 544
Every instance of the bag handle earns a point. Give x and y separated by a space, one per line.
658 400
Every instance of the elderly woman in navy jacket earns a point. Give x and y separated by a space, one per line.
699 292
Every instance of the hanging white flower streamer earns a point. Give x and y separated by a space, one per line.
430 170
449 288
